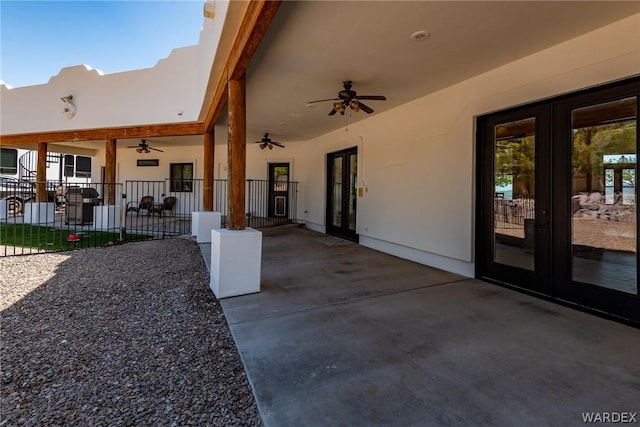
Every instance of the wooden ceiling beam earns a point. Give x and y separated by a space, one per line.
97 134
255 22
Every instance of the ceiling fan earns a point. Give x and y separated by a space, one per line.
267 142
348 98
143 147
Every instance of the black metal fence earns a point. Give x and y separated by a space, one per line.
269 204
81 215
73 216
512 213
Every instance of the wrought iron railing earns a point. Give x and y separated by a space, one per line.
98 214
512 213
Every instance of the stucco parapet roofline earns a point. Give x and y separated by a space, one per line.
120 132
71 72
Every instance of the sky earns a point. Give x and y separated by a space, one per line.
38 38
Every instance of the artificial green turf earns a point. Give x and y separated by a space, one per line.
54 239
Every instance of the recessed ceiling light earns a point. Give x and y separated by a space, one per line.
420 35
282 123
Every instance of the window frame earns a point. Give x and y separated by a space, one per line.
9 170
181 184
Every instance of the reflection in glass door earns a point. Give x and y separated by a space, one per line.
603 195
514 230
514 182
342 172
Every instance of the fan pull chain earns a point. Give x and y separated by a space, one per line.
346 121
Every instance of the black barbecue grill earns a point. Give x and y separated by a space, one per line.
79 205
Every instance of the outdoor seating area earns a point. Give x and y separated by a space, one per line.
166 206
145 203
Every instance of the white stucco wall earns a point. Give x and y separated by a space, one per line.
416 162
208 43
175 85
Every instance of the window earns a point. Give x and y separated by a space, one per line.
148 162
9 161
78 166
181 177
68 165
83 166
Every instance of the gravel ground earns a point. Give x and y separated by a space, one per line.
126 335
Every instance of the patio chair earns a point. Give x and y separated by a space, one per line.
145 203
167 205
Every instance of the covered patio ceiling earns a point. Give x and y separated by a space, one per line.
311 47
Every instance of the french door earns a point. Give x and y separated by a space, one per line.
557 198
342 175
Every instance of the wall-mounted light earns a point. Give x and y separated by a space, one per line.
69 109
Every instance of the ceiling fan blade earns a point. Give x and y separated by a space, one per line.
333 111
372 97
156 149
365 108
279 144
133 146
323 100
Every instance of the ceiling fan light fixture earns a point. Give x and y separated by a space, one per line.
349 99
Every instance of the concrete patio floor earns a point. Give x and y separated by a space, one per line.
342 335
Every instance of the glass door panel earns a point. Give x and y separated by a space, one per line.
514 243
336 191
278 189
514 202
604 196
353 195
342 194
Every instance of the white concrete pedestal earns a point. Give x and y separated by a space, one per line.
39 212
3 210
195 220
106 217
236 259
202 223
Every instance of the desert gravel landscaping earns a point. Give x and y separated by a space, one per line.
124 335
